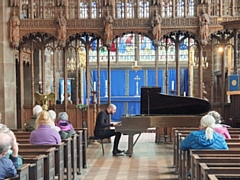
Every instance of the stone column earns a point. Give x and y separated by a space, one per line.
8 101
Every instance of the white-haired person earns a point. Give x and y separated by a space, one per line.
44 134
204 138
218 127
31 123
8 166
53 115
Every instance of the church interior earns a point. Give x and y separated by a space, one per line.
79 56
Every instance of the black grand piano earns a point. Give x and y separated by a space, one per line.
160 110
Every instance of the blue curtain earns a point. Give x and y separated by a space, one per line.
118 85
171 79
151 78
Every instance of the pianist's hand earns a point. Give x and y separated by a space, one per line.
116 124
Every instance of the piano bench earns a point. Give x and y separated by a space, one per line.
93 138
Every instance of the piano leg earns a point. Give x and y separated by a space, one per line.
130 145
129 152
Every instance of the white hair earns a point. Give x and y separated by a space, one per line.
52 114
36 110
208 123
216 116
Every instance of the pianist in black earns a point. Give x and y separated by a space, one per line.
101 125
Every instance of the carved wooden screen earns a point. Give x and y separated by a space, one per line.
49 7
72 5
237 8
214 8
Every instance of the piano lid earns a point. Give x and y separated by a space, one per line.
153 103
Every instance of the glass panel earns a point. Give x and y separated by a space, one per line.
83 10
180 8
143 9
167 8
120 9
191 8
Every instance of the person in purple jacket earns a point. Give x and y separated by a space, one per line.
9 165
67 130
44 134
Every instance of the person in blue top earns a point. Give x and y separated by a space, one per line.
205 137
8 166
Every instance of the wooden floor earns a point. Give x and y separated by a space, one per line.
150 161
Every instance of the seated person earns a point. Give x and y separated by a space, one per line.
66 127
5 129
52 115
205 137
101 124
44 134
30 125
9 165
218 127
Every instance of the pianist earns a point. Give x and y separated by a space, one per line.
101 124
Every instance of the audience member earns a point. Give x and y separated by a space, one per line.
9 165
205 137
218 127
44 134
5 129
31 124
66 127
101 124
52 115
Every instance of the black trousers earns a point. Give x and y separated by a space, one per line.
108 134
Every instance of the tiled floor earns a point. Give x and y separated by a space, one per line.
150 161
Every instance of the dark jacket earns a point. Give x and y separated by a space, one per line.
31 124
101 122
8 167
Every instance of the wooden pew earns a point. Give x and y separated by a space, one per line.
214 154
59 156
183 133
183 157
49 161
218 168
84 145
74 155
224 176
79 151
197 159
36 168
22 173
67 153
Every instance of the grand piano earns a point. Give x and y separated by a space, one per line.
161 110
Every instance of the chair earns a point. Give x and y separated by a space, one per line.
93 138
